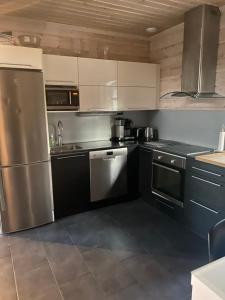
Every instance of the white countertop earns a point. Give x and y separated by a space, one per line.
212 276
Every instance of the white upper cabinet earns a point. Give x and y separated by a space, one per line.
97 72
138 86
20 57
137 98
98 98
60 70
137 74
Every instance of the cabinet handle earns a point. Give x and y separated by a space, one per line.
23 65
203 206
71 156
52 80
97 109
70 97
167 168
206 181
202 170
134 108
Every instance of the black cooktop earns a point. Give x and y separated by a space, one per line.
178 148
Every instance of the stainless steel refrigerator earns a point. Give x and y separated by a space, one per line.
25 174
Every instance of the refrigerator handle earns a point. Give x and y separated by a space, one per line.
2 197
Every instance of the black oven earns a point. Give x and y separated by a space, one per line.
62 97
168 177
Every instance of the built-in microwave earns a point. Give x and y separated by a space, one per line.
62 98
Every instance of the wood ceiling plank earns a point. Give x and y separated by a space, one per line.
106 9
80 22
128 16
102 12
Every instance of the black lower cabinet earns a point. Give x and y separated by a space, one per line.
71 183
204 203
133 172
145 173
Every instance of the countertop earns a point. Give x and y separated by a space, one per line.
212 276
217 158
169 146
89 146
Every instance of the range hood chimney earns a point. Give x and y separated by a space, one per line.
201 35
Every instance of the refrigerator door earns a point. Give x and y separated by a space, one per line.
23 120
26 196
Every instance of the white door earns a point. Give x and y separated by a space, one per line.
98 98
137 74
97 72
60 70
137 98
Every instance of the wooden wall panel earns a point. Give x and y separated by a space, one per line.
78 41
166 49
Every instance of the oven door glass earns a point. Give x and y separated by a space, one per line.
167 181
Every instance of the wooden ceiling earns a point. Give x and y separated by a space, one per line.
124 16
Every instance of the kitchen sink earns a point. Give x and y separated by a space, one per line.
66 147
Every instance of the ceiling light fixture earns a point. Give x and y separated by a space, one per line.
151 29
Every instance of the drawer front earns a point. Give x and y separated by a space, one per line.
206 192
200 219
205 170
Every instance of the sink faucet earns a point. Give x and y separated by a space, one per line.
52 135
60 133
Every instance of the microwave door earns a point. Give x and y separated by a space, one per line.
57 98
62 98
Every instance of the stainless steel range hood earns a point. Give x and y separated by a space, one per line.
201 35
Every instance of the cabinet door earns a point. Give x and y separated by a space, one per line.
137 74
200 219
97 72
132 170
137 98
20 57
60 70
71 183
145 171
204 204
98 98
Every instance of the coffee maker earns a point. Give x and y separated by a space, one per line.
119 129
122 130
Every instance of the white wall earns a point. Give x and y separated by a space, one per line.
83 128
193 127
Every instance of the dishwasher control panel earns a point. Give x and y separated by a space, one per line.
108 153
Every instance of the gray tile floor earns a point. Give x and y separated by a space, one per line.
124 252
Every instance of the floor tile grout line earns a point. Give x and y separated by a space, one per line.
90 271
56 282
49 264
14 273
119 261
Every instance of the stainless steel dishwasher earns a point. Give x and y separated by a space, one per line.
108 173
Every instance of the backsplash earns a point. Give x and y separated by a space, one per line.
194 127
82 128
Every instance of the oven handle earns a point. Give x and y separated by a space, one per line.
167 168
169 199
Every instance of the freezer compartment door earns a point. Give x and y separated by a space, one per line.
26 196
23 126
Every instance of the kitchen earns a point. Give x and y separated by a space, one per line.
110 181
